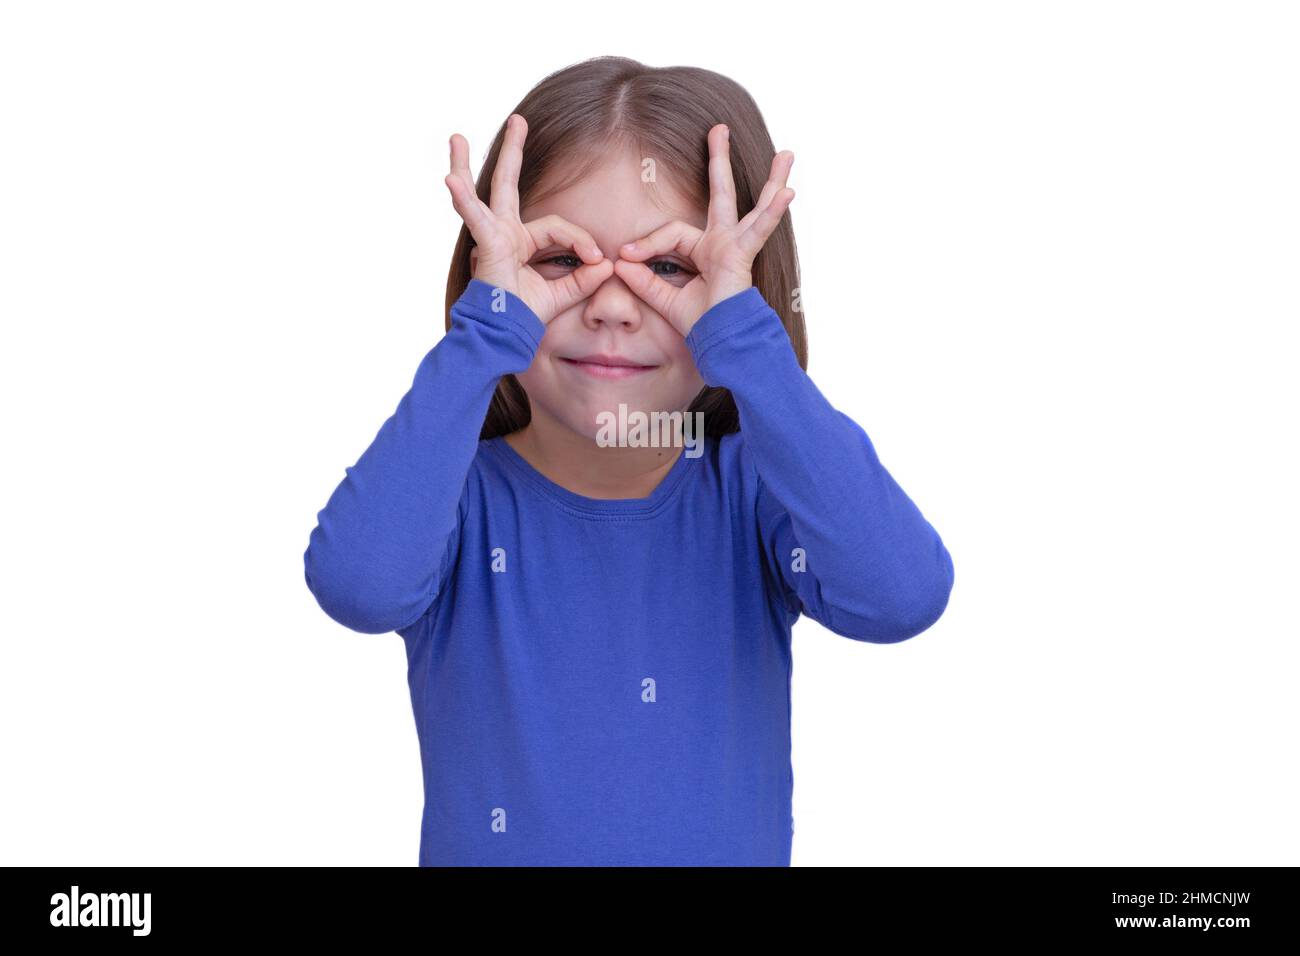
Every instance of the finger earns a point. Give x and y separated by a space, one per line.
752 240
505 178
477 217
675 236
647 286
580 284
722 188
460 161
460 170
558 230
781 164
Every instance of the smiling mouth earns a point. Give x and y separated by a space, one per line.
608 368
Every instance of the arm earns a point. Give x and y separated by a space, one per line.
875 569
385 541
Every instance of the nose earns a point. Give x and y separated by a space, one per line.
613 305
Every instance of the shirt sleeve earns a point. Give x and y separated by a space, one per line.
384 543
845 544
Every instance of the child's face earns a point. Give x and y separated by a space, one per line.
616 207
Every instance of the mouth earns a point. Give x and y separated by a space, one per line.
607 366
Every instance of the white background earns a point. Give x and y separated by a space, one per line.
1049 263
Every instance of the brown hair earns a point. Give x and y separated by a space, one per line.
666 113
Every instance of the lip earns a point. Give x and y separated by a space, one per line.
607 366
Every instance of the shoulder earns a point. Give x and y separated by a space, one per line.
490 467
735 460
487 473
741 481
728 468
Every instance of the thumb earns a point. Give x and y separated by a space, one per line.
647 286
579 284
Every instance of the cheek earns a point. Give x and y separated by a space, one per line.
540 386
685 377
551 391
675 348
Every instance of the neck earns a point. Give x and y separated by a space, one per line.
578 464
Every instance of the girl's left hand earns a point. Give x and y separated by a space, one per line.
723 253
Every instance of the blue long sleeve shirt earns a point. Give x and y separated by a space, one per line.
607 682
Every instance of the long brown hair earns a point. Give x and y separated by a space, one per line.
575 113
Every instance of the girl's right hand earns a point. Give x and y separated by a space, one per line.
504 245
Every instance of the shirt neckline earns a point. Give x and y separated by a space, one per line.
573 502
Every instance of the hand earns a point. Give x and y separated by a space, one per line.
723 253
503 244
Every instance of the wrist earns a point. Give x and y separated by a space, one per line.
723 289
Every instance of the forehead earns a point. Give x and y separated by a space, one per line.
615 202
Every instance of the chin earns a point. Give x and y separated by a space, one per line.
581 410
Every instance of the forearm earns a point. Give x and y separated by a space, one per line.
874 566
383 541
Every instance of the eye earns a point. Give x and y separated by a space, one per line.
568 260
674 269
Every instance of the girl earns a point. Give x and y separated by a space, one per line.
597 633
